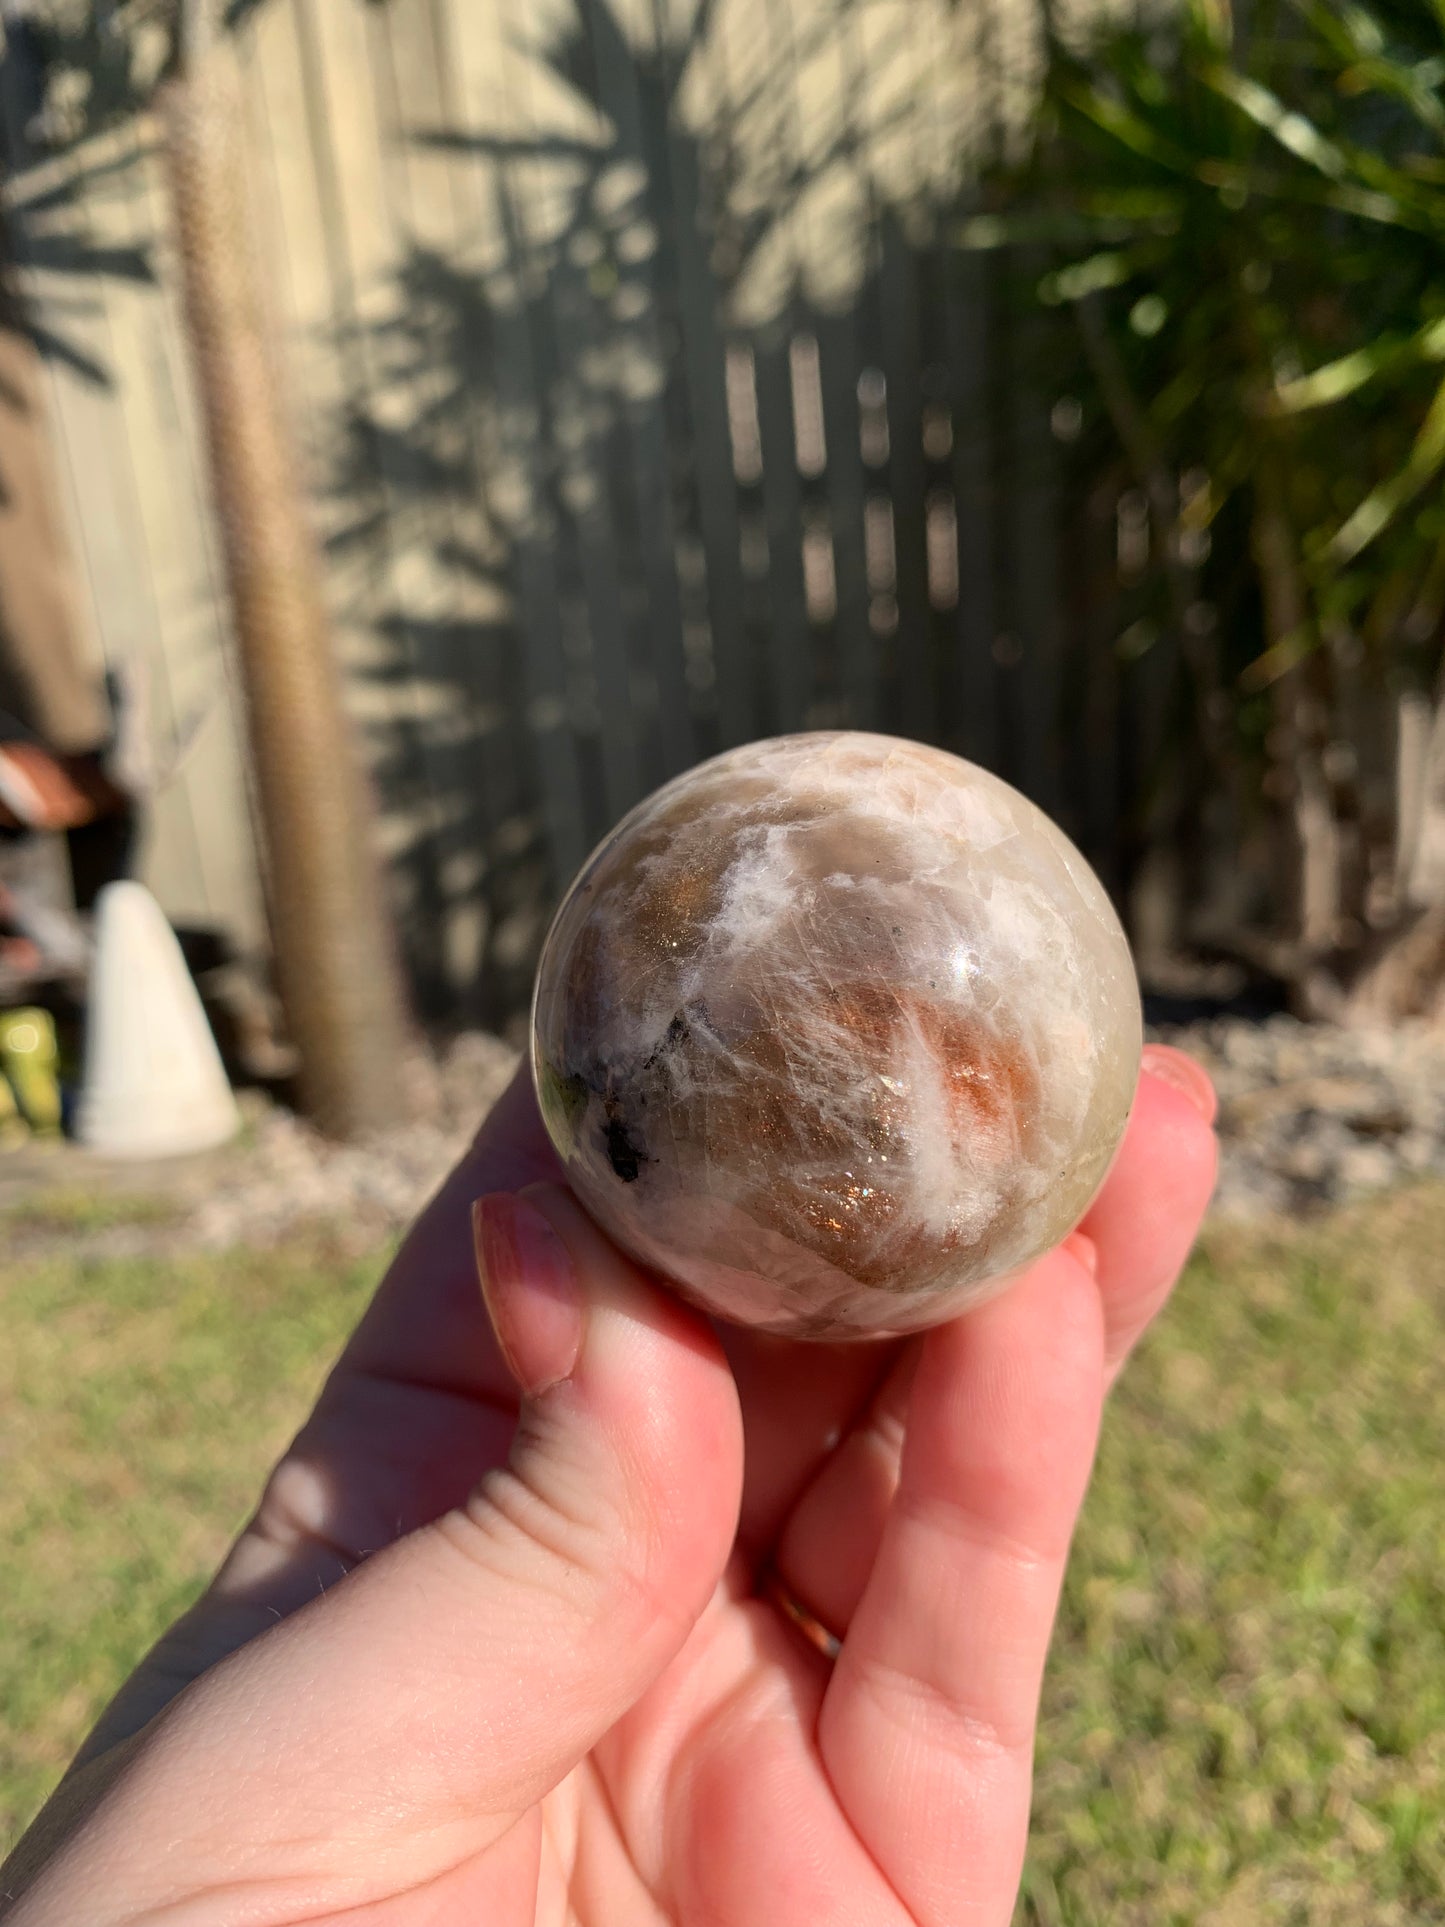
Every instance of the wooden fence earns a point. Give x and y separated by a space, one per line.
650 404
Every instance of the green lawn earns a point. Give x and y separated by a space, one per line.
1245 1718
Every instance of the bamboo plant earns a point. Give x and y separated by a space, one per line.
1245 223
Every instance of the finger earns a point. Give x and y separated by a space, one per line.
928 1722
798 1401
1135 1239
445 1685
828 1544
425 1333
1148 1214
419 1406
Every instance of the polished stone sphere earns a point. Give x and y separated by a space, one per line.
837 1033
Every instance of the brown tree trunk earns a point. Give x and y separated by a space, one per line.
1400 969
1307 855
1420 873
335 963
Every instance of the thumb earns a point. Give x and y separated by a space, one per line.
608 1529
400 1724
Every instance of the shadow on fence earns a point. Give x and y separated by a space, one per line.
700 424
650 521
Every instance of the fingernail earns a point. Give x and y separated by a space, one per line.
531 1290
1172 1067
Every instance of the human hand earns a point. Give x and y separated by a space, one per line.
487 1658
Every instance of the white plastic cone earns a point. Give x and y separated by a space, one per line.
153 1085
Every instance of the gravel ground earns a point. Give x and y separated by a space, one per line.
1312 1116
275 1179
1309 1117
287 1174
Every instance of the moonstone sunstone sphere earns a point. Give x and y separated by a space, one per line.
837 1033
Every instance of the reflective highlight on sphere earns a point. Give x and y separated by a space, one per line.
838 1033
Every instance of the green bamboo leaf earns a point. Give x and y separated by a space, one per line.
1178 396
1362 182
1350 31
1336 380
1276 661
1401 83
1381 506
1363 28
1158 208
1130 130
1385 209
983 233
1213 21
1244 183
1331 383
1361 43
1384 177
1291 129
1082 278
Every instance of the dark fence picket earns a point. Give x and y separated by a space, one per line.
622 694
521 431
1098 766
647 477
966 299
587 471
913 656
1038 629
855 676
787 643
709 456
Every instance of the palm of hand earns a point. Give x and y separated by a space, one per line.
635 1739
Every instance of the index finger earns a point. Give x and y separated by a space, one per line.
1135 1240
927 1725
1144 1221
